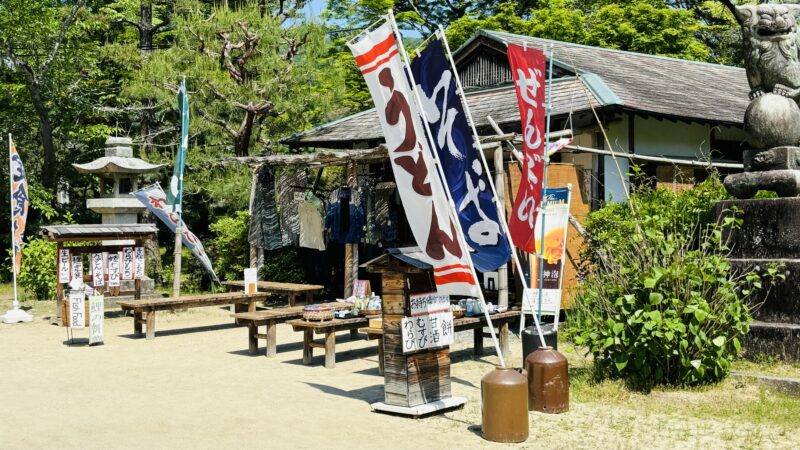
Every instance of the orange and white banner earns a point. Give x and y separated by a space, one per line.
431 220
19 203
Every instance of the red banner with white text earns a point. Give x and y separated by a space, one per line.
528 72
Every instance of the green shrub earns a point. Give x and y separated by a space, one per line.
282 265
660 303
229 249
38 271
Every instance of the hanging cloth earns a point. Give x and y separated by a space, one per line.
265 225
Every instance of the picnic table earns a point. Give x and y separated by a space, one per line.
144 311
292 290
329 328
271 318
501 322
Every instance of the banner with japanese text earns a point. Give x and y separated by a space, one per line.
19 203
458 155
528 71
154 198
432 224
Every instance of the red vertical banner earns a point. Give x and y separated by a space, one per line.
528 71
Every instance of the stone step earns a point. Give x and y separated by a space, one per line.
783 302
779 340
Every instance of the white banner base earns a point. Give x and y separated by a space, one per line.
16 315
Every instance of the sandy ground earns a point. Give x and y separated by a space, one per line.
195 386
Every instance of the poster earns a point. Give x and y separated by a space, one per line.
63 266
98 270
362 288
127 263
77 311
427 331
138 255
556 221
96 317
251 280
113 269
77 267
429 303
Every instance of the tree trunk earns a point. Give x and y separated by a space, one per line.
245 133
48 179
146 26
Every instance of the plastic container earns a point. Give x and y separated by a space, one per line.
548 381
504 404
530 339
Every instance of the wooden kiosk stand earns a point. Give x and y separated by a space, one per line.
416 381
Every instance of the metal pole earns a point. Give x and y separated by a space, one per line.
442 179
177 205
540 255
500 207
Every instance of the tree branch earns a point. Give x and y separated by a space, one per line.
221 123
65 24
732 8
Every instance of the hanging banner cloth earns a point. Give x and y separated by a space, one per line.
457 150
376 54
154 198
19 203
528 71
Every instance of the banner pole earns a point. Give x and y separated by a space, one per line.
500 208
540 254
15 303
177 204
453 211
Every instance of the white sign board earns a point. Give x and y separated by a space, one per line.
77 311
251 280
429 303
63 266
427 331
97 269
127 263
96 316
551 301
113 269
77 267
138 254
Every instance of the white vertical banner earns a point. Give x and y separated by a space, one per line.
64 266
77 310
98 269
96 317
113 269
138 254
77 267
127 263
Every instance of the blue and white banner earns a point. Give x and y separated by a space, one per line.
154 198
458 155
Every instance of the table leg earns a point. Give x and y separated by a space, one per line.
272 339
292 297
151 324
380 355
137 325
330 349
252 306
477 346
252 340
503 338
308 350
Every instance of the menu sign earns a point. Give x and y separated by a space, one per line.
63 266
429 303
127 263
97 269
138 254
113 269
427 331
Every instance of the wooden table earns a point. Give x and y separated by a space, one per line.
329 328
290 289
144 311
501 322
271 318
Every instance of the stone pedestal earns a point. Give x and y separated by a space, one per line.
776 169
770 234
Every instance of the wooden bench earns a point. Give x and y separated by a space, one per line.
148 308
500 321
292 290
329 328
271 318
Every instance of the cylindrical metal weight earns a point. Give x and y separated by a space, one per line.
504 402
548 381
531 342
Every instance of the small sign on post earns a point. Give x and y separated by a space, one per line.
127 263
139 257
63 266
77 267
96 318
113 269
77 312
98 270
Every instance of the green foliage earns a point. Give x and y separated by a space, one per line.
229 249
38 271
660 302
282 265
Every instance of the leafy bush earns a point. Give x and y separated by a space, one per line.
38 271
229 248
282 265
660 303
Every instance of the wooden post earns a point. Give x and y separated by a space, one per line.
308 349
56 320
272 339
330 348
502 272
151 324
350 250
252 341
137 323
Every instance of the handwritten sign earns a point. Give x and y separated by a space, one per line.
429 303
427 331
77 313
138 253
96 317
97 269
77 267
127 263
63 266
113 269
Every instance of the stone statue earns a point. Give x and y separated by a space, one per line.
772 120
